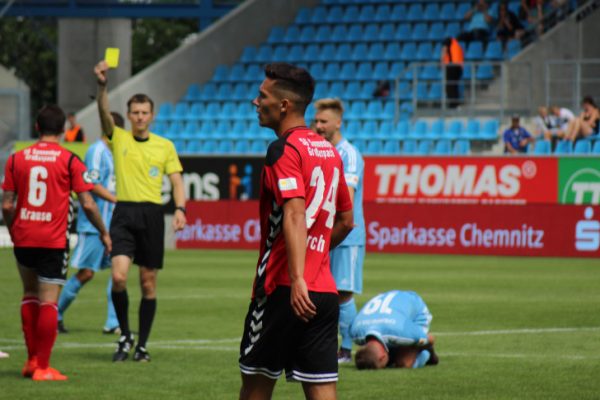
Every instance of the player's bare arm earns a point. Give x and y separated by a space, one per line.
106 120
91 211
104 193
344 223
8 207
179 219
294 231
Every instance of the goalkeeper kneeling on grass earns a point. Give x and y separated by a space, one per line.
393 330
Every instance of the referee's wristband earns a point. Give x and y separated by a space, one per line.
182 209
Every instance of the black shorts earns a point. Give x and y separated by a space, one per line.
49 264
137 230
275 339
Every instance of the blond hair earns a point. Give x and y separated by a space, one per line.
334 105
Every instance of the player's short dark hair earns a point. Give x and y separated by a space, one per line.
589 100
365 358
118 119
50 120
292 79
140 98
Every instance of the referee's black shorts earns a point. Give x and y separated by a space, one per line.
137 230
275 339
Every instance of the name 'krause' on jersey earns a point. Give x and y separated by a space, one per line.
300 164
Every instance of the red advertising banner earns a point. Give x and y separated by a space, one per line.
466 180
533 230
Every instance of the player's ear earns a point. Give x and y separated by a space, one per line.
285 106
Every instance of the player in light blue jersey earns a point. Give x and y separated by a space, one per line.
89 256
393 328
347 258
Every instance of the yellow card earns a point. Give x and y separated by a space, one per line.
112 57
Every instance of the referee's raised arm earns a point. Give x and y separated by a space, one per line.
106 120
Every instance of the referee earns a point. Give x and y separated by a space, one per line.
137 226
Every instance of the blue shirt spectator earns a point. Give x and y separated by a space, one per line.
516 138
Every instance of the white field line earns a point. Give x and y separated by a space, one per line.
208 344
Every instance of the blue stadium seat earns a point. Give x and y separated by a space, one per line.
343 52
337 89
292 35
454 129
422 91
381 71
432 12
236 72
264 54
212 110
280 53
435 92
541 147
239 129
221 73
415 12
192 146
472 129
374 110
385 130
484 72
461 148
318 15
317 70
192 93
420 31
181 111
335 15
332 71
452 29
403 33
352 129
582 147
248 54
327 52
258 146
321 90
179 145
596 147
374 146
468 71
461 10
351 15
354 34
209 146
209 91
160 127
225 146
391 147
442 147
306 35
371 33
409 146
241 146
323 34
175 129
207 130
401 129
513 47
364 71
164 112
253 73
367 14
224 91
408 52
396 69
303 16
563 147
386 32
448 11
404 91
339 34
474 51
360 144
424 147
430 72
348 71
311 54
398 12
294 55
392 51
436 129
436 32
223 128
406 108
244 110
418 130
276 35
424 51
360 51
352 91
490 130
376 51
494 51
356 110
383 13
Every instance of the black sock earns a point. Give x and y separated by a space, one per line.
121 304
147 311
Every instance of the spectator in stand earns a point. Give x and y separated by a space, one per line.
382 90
75 131
547 126
479 23
588 122
516 138
563 116
452 59
532 12
509 26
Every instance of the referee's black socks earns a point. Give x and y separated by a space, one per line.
121 304
147 311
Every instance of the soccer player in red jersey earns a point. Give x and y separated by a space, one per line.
305 210
40 179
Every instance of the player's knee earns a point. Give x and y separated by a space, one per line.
119 282
148 288
85 275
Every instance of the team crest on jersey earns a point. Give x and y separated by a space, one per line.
94 174
153 172
287 184
87 177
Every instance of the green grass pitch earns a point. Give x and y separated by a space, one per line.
507 328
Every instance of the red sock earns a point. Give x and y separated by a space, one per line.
46 332
30 307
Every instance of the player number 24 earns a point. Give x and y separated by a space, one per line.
317 180
37 186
